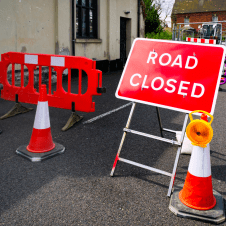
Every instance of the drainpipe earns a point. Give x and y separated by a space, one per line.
73 27
138 19
108 33
56 27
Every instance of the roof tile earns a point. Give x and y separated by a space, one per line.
197 6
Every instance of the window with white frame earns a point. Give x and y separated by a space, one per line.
214 18
186 20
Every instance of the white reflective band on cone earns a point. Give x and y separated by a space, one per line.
199 165
42 116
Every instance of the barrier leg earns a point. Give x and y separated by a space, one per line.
74 118
123 139
17 109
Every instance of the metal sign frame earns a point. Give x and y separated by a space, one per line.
179 143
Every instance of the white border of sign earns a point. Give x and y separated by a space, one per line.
164 106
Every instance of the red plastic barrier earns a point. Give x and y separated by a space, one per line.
60 98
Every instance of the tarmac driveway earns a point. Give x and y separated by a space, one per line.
75 188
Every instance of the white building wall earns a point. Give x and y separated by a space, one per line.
27 26
45 27
63 31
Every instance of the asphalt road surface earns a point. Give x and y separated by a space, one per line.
75 188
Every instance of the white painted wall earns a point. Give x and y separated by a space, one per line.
44 26
27 26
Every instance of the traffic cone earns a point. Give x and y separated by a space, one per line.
197 192
187 147
41 138
41 145
197 199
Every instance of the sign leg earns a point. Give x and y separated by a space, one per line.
160 122
177 157
123 138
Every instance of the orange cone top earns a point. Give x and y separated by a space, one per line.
43 93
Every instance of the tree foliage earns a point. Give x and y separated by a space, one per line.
162 35
151 17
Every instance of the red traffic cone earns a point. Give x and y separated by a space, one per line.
41 145
41 138
197 192
196 199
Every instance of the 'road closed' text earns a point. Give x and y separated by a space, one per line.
166 59
158 83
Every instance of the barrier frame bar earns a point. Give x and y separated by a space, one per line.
180 143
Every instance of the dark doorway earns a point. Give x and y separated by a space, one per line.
123 56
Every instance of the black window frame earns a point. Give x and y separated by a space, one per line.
87 8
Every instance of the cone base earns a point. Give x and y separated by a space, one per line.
197 207
215 215
37 157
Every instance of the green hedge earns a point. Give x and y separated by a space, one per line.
162 35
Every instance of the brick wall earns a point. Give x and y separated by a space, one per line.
202 17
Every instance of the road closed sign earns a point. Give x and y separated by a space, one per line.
175 75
